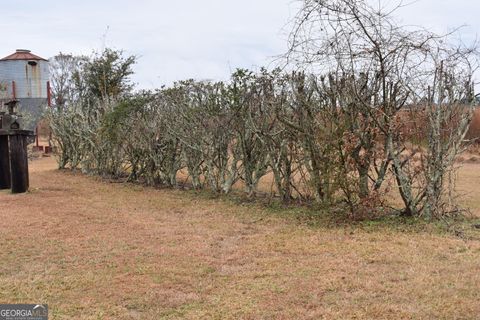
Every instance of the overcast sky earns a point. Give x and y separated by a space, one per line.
177 40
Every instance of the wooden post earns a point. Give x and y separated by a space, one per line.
13 151
19 162
4 163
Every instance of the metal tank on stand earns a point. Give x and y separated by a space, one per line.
24 76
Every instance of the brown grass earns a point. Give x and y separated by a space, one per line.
98 250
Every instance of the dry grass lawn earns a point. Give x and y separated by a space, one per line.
98 250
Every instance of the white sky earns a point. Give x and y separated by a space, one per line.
175 40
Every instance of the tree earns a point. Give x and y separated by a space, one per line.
63 67
376 71
106 75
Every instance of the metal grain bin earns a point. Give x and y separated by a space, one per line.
24 76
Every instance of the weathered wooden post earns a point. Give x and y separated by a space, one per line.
4 153
13 152
19 161
4 163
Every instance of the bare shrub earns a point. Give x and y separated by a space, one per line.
371 105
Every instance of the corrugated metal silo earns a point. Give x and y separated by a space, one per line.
24 76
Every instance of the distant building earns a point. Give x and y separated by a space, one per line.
24 76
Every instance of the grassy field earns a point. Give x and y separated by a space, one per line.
98 250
